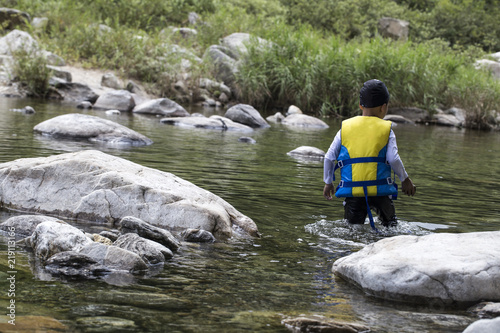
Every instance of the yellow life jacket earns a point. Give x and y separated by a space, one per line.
362 158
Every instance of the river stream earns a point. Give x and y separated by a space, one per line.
252 284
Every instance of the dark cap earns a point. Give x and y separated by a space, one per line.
373 93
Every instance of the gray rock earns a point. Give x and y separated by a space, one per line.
304 121
292 109
437 267
186 33
398 119
414 114
39 24
73 91
90 185
25 110
24 225
193 18
51 237
11 18
111 81
237 42
393 28
225 65
486 310
161 106
17 40
276 118
59 73
94 129
484 326
247 115
72 264
444 119
198 236
110 234
490 65
114 258
121 100
130 224
214 86
322 325
214 123
84 105
113 113
246 139
151 252
53 59
307 152
460 114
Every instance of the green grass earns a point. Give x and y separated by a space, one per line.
317 64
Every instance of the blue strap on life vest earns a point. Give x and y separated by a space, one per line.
342 163
370 216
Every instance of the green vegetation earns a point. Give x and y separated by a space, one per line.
32 71
322 49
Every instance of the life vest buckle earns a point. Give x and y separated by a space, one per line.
340 164
389 181
341 183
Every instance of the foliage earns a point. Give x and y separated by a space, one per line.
30 69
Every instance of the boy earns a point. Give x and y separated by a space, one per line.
365 149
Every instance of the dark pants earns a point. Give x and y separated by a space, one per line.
355 210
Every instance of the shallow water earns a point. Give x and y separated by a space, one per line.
252 284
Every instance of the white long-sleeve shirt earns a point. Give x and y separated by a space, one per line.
392 157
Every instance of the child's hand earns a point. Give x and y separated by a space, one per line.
328 191
408 187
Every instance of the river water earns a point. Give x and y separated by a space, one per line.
253 284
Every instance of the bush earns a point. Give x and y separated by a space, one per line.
31 70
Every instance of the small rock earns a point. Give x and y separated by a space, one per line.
307 152
198 236
112 113
151 252
25 110
292 109
130 224
484 326
486 310
111 81
247 139
276 118
84 105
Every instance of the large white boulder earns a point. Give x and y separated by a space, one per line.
94 129
452 268
94 186
304 121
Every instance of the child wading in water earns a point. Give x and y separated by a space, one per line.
365 150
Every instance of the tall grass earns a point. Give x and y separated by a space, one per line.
30 69
323 75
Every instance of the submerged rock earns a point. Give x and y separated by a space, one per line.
114 258
322 325
151 252
447 268
95 129
71 264
214 123
130 224
92 185
307 152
